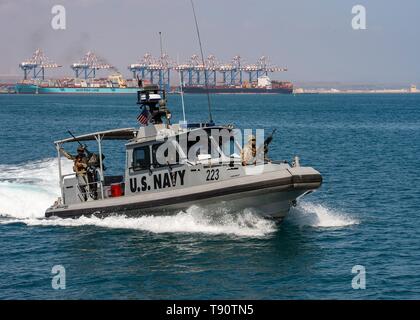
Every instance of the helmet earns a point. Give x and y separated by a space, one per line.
251 138
80 149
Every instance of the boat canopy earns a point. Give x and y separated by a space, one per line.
115 134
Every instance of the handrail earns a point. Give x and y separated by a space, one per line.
99 183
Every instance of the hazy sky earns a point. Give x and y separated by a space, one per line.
313 38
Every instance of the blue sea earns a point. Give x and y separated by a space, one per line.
367 212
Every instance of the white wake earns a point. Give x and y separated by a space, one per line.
194 220
318 215
26 191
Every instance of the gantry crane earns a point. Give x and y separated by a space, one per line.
37 63
89 64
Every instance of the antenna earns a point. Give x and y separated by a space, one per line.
182 92
161 64
202 60
161 50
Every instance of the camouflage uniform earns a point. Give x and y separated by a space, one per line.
79 167
249 152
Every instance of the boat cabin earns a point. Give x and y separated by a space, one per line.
159 155
157 158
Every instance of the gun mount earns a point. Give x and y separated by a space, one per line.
154 99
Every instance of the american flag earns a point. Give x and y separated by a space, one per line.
143 117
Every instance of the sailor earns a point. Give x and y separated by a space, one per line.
93 165
80 166
80 153
249 152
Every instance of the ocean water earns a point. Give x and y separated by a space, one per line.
366 213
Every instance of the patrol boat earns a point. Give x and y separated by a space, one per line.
169 168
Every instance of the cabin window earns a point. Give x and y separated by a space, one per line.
156 162
197 147
141 158
166 154
200 146
228 147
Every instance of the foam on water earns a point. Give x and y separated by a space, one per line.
194 220
318 215
27 190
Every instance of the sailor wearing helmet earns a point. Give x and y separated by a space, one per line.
249 152
80 165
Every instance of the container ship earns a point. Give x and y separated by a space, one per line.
7 88
113 84
263 86
85 80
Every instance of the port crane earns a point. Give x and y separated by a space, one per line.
89 64
37 64
194 73
158 70
155 70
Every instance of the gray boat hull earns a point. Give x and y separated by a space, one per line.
270 195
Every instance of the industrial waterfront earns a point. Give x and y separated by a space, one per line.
194 75
93 74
